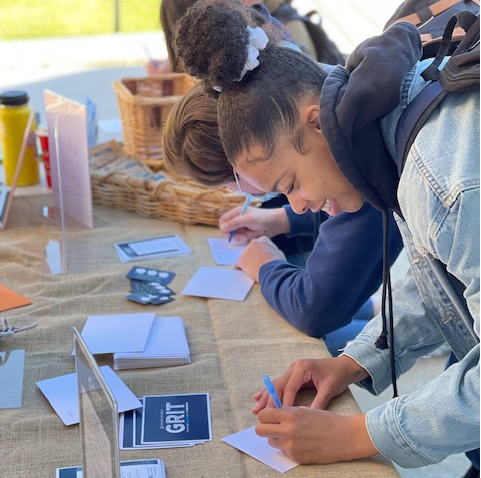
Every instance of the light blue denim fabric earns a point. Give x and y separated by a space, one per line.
439 199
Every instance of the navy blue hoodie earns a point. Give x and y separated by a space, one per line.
342 272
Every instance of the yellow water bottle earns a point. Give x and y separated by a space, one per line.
14 115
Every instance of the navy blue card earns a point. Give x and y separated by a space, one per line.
145 274
176 418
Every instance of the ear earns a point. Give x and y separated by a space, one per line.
310 117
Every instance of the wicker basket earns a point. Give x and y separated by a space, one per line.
119 180
144 105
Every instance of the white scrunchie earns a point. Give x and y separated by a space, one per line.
257 41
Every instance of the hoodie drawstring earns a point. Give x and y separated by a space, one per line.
382 342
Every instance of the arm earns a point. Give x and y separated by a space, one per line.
349 249
419 438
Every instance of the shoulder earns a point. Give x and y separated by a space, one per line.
442 167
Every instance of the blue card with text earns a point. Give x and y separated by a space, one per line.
177 418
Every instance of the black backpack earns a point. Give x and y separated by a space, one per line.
431 18
459 73
327 51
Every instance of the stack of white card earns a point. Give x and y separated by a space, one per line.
152 248
166 346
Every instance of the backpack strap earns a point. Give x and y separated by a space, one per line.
413 118
465 20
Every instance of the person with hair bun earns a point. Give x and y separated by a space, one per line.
325 139
172 10
348 246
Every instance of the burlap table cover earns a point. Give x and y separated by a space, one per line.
233 344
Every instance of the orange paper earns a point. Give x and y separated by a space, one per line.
11 300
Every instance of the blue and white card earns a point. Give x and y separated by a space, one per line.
131 433
137 468
176 418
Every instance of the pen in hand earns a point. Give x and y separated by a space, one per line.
272 391
243 210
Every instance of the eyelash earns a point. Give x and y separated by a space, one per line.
290 189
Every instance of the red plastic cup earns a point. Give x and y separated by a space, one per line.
42 135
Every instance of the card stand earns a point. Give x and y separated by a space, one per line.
67 136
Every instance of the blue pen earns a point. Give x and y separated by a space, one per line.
243 210
272 391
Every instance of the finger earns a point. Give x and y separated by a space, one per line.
292 386
270 418
240 237
276 442
262 398
241 221
321 400
266 240
227 216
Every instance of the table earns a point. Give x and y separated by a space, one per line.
233 344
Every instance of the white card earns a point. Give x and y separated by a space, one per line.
225 253
62 393
217 283
258 447
117 333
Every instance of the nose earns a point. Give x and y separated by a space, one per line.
299 206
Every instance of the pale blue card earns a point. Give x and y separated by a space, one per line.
12 364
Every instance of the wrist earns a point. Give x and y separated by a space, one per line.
353 372
281 222
358 442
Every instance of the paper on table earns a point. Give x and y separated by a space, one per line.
10 299
128 469
12 364
218 283
167 345
258 447
179 419
130 433
117 333
62 393
152 248
225 253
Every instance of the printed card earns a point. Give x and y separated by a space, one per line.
176 418
145 274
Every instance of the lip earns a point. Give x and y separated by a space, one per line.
318 209
327 202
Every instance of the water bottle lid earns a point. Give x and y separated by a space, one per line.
14 98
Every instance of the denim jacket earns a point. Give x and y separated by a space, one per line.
440 204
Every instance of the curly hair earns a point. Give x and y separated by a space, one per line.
192 146
211 42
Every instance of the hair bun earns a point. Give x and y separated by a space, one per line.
211 41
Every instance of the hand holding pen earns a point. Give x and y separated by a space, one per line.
242 211
271 390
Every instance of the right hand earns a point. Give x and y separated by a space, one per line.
329 376
256 222
259 252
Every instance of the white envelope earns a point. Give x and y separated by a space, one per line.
62 393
